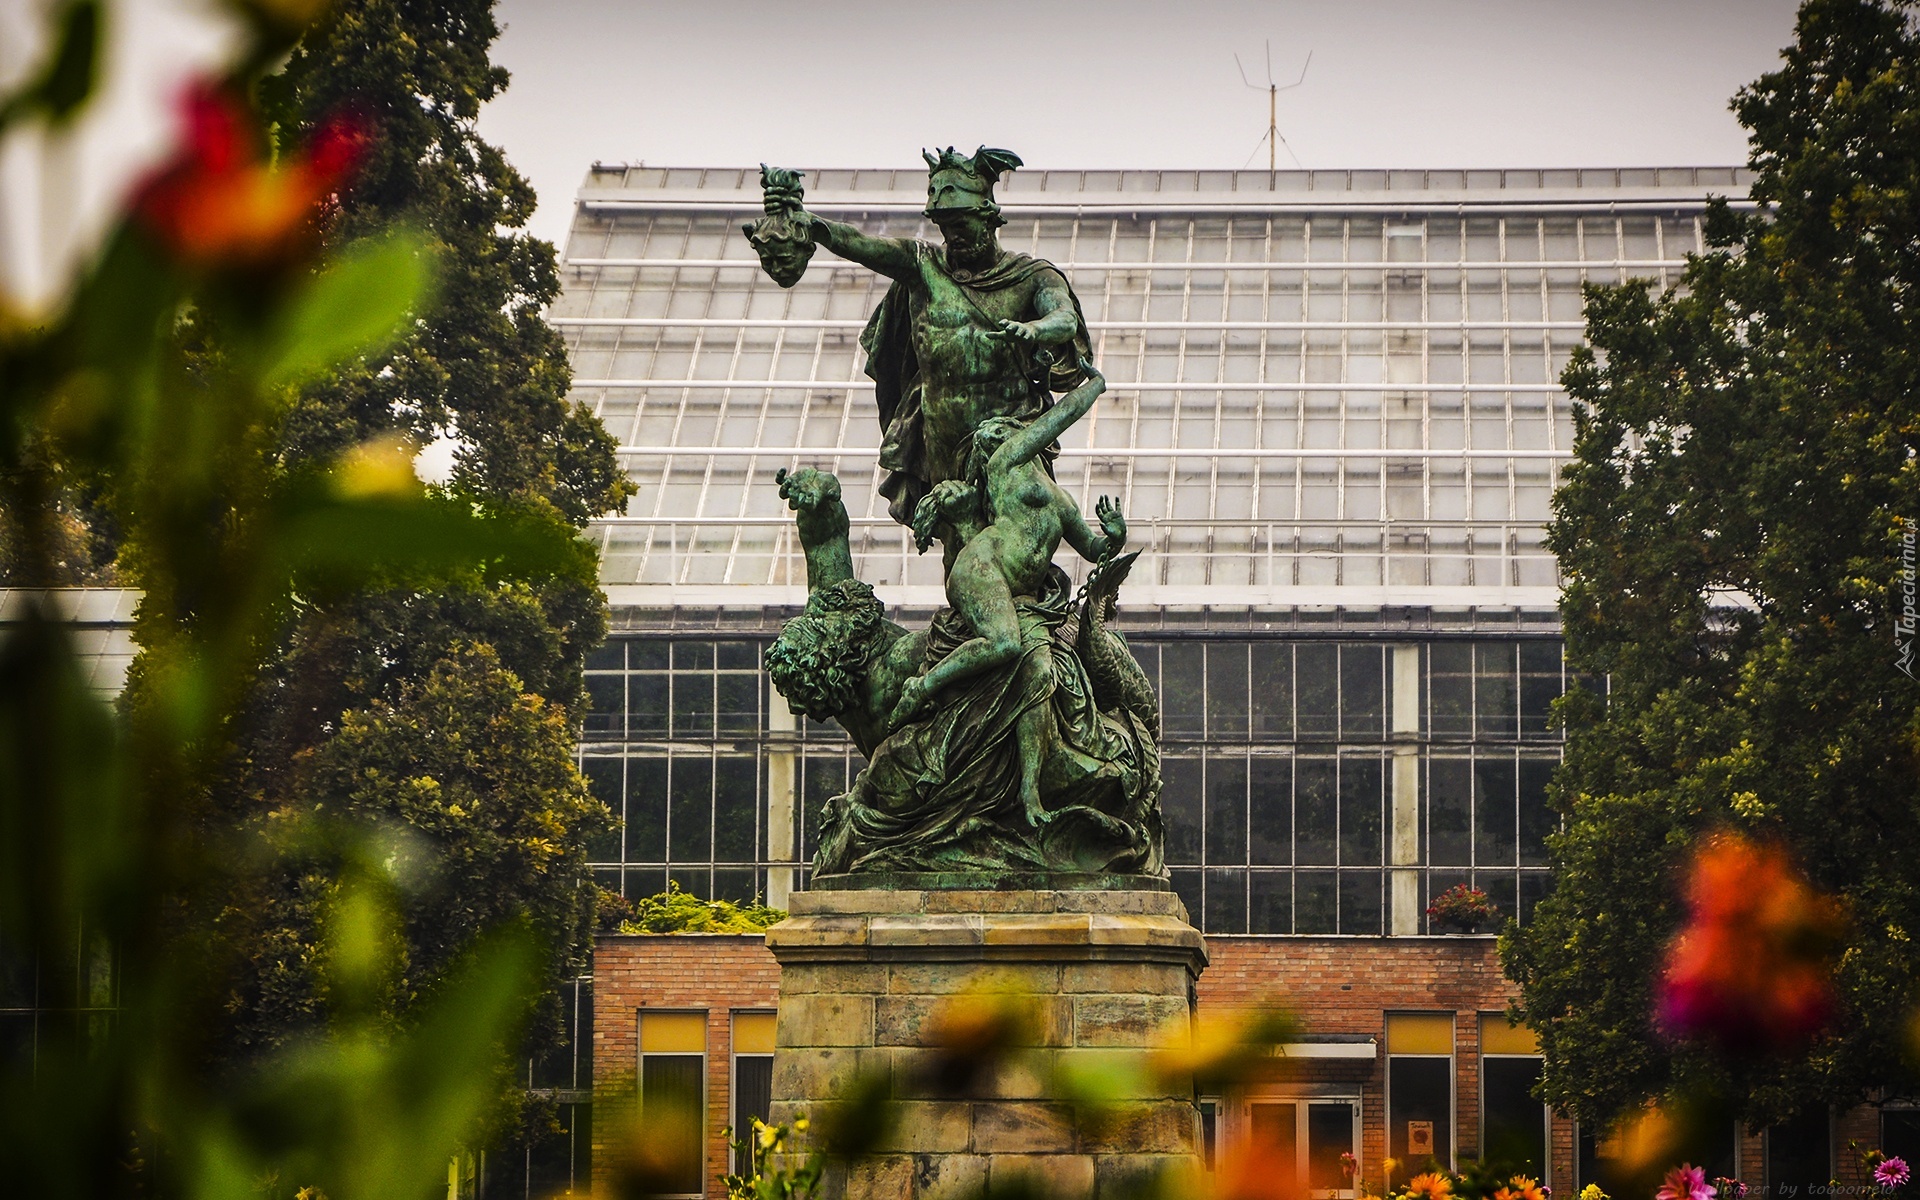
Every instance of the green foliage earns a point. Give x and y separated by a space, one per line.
482 364
1730 535
360 301
776 1176
312 897
675 911
439 698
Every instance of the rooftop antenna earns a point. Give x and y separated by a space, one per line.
1273 139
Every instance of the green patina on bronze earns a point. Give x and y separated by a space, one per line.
1016 735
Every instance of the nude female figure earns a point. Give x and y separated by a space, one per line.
1013 517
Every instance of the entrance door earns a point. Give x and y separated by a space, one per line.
1305 1136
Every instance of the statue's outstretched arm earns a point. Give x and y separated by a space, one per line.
821 520
892 257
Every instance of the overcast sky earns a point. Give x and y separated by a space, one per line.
1393 83
865 83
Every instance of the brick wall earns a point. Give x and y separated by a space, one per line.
718 973
1335 985
1348 985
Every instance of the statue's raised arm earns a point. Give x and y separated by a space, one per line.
969 331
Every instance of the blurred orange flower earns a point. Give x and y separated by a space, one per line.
1430 1185
1751 968
1253 1171
1520 1187
218 202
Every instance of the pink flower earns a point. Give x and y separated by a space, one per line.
1891 1173
1685 1182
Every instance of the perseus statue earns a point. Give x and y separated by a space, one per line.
969 330
1016 733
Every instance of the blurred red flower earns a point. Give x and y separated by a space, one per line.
1752 967
218 202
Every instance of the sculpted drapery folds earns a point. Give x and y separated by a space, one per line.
1017 733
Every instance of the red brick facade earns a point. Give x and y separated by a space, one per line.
716 972
1348 985
1335 985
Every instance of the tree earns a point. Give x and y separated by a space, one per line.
163 370
445 714
482 366
1730 533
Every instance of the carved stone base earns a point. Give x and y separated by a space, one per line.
1105 977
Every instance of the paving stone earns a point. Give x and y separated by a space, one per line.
823 1073
838 931
879 1177
929 1126
1150 979
926 929
1130 1176
1040 929
855 978
873 900
950 978
1158 1127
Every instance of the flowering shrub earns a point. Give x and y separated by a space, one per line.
1521 1187
675 911
1463 908
220 202
769 1146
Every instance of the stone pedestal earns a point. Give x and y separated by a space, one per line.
1105 976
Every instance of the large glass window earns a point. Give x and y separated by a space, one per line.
1420 1089
1303 1139
1277 763
1900 1133
673 1068
1513 1123
752 1079
1800 1154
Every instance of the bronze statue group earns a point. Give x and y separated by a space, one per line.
1016 736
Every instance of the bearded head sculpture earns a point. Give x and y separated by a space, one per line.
819 662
